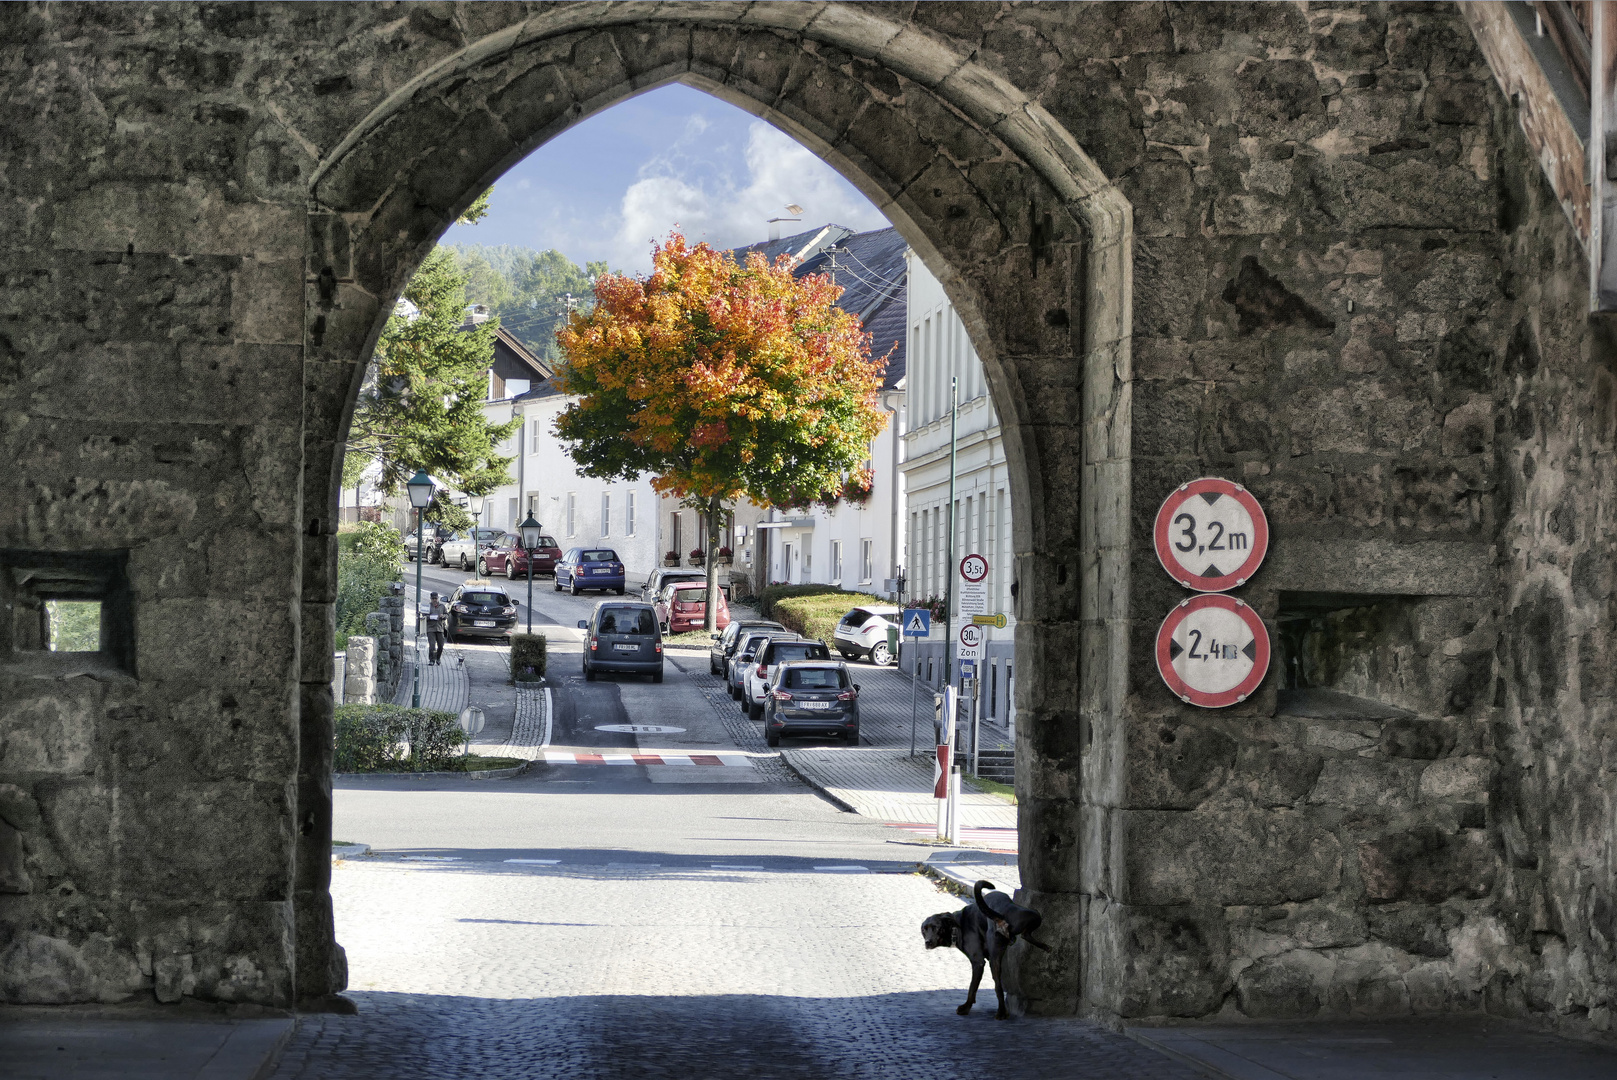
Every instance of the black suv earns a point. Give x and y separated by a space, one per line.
481 611
725 644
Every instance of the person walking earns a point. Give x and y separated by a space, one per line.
437 627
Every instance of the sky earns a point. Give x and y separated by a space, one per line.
605 188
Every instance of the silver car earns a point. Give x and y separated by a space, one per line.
735 669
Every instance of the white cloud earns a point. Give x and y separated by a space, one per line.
711 193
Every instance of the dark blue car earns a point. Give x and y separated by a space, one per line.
590 568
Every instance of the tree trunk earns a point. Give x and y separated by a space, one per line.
712 616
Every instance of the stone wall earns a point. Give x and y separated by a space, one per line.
1301 247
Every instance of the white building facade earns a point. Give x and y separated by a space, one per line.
940 350
579 511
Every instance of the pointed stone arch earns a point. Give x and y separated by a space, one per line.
1031 242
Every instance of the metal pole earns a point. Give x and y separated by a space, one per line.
530 587
915 677
415 662
976 715
949 568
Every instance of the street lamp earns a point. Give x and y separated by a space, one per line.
530 530
421 489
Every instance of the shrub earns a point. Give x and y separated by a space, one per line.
363 578
393 738
812 610
529 655
371 538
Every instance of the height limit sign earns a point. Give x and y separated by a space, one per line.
1211 535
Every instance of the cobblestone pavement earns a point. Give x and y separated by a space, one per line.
743 732
601 972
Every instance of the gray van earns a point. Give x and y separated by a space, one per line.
622 636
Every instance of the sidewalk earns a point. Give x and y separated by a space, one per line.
886 783
134 1043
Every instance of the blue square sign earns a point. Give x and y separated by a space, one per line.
917 622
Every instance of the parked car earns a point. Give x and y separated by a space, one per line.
507 556
457 549
432 536
590 568
622 636
773 654
682 607
662 577
812 698
735 672
863 632
725 644
478 609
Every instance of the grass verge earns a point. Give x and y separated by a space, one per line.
688 638
476 763
992 787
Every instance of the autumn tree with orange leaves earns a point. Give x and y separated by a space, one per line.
722 380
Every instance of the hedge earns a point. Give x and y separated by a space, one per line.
394 738
812 610
529 655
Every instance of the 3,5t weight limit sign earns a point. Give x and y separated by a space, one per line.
1211 535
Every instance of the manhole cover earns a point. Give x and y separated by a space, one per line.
640 729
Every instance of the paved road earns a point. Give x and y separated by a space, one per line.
657 921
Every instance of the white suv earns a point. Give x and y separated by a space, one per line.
863 632
767 661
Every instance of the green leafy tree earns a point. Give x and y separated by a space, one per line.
531 292
722 381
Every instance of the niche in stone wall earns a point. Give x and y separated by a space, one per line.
63 610
1421 653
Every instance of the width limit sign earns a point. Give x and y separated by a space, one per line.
1212 651
1211 535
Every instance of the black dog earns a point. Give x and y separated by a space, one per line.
983 931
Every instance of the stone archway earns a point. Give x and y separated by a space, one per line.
1030 240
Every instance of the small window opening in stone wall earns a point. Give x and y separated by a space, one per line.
57 605
1347 642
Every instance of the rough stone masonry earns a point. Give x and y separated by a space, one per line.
1304 247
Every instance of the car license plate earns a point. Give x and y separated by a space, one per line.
627 648
482 622
815 704
600 571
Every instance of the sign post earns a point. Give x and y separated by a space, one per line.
917 624
946 783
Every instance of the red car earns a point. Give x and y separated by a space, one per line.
505 555
683 606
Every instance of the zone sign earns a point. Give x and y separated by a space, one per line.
1212 651
1211 535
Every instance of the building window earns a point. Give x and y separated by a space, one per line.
675 534
606 514
628 516
808 561
534 443
511 515
836 561
867 561
572 513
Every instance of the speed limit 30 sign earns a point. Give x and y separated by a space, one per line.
1212 651
1211 535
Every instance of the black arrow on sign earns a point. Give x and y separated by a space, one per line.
1251 650
1212 496
1174 649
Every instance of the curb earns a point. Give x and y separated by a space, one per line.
940 866
349 851
840 804
475 774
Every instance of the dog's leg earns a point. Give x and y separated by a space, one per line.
976 978
999 990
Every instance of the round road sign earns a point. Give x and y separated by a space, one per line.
971 643
1212 651
1211 535
974 568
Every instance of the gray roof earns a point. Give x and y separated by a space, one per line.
871 270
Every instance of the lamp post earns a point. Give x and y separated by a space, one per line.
421 489
530 530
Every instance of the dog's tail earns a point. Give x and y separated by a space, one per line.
982 906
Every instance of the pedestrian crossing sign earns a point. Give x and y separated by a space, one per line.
917 622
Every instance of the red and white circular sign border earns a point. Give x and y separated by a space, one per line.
1182 494
1241 691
